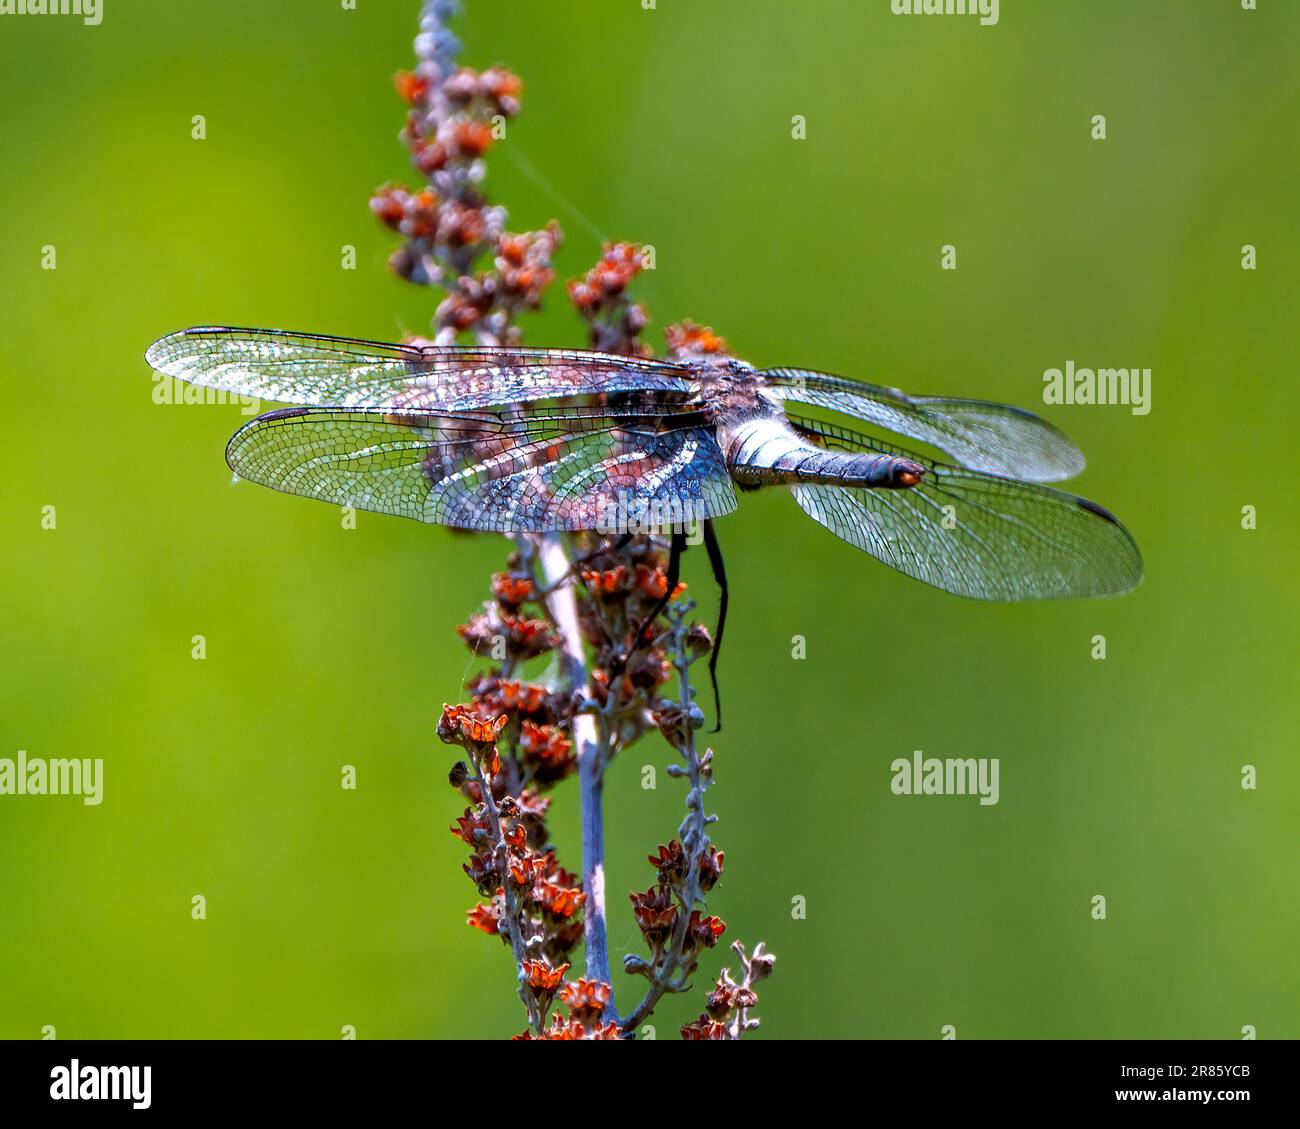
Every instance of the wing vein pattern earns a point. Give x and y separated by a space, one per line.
982 435
974 534
503 471
300 368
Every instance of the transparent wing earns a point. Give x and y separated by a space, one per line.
502 471
994 438
303 368
974 534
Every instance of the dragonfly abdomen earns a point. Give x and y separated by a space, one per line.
766 451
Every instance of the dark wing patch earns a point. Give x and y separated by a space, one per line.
502 471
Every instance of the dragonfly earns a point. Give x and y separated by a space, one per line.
535 440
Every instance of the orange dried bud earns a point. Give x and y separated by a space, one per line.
459 725
530 636
429 157
388 205
704 931
462 85
548 750
705 1028
481 917
471 828
582 295
462 225
526 870
512 248
655 914
511 590
560 901
585 999
691 340
472 138
710 868
541 977
524 697
458 312
619 264
497 82
654 582
605 583
671 863
412 87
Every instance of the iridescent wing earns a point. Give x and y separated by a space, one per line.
303 368
994 438
507 471
974 534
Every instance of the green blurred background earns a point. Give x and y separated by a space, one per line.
327 646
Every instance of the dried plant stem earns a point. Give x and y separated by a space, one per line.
693 832
511 902
523 737
755 970
557 570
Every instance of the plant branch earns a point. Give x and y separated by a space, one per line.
662 975
518 944
557 569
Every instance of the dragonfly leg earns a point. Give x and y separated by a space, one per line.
674 573
720 578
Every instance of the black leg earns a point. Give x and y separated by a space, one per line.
720 576
674 572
